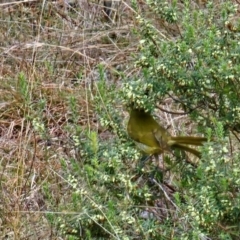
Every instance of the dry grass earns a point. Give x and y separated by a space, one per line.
57 47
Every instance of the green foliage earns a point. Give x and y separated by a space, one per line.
166 10
74 110
24 87
213 198
102 192
199 69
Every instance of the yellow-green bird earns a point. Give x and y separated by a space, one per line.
153 139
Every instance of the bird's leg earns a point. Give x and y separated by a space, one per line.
143 160
158 171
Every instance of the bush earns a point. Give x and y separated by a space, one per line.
197 66
198 69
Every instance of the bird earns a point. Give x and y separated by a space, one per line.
153 139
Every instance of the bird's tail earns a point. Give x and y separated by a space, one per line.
188 149
196 141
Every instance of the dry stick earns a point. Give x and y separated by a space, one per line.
165 194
